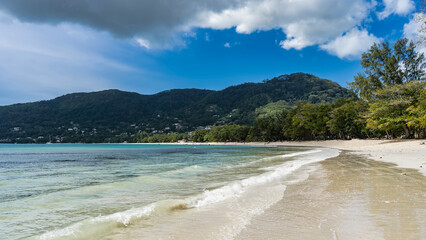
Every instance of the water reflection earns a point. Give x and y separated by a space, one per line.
348 197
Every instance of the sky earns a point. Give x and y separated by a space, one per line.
49 48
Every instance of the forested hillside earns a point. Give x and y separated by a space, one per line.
114 115
389 102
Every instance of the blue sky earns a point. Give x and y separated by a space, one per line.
49 48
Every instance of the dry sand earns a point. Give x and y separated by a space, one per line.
351 196
404 153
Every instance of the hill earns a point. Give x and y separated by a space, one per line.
105 115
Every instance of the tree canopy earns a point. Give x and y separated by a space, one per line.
386 66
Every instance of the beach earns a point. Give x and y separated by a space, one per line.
133 191
375 189
287 190
403 153
347 197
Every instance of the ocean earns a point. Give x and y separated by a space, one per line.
130 191
193 192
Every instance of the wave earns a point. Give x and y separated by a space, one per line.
103 225
193 169
280 157
95 227
274 173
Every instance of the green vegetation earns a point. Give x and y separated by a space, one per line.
272 109
385 67
341 120
398 110
116 116
143 137
227 133
388 100
392 84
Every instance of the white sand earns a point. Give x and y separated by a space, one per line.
404 153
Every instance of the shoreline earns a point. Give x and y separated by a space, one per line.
345 195
404 153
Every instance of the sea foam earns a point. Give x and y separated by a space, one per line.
101 225
91 227
276 172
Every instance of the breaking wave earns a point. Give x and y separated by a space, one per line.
96 227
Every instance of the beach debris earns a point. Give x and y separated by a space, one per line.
387 201
422 143
404 173
421 165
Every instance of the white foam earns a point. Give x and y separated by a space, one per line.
243 212
237 188
281 157
261 195
90 226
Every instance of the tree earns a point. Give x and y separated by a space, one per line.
198 135
398 109
269 128
384 66
346 119
308 121
227 133
392 83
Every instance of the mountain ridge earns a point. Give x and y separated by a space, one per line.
112 113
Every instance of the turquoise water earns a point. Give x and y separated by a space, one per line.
104 190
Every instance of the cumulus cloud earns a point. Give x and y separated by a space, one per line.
412 31
398 7
305 23
351 45
155 23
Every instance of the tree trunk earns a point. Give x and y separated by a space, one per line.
407 132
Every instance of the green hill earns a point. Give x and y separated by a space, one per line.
99 116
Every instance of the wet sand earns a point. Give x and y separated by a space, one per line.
406 153
347 197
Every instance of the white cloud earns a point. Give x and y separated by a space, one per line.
412 31
305 23
143 43
43 61
351 45
154 21
227 45
160 23
398 7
